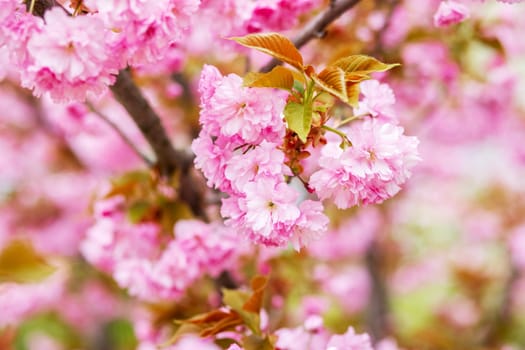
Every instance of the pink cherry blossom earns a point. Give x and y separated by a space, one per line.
65 61
311 224
349 341
240 113
264 160
450 12
378 100
268 212
371 170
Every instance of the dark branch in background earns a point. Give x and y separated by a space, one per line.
149 123
503 314
377 317
168 159
378 307
316 28
377 50
122 135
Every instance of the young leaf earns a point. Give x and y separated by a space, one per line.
275 45
279 77
356 77
138 211
298 119
332 80
352 93
20 263
254 342
362 65
254 304
207 324
236 299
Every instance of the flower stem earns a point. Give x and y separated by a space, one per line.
77 9
338 132
32 6
352 118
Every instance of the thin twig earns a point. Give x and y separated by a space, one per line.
379 35
316 28
149 162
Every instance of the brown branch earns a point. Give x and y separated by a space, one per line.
149 123
121 133
378 306
378 49
502 316
316 28
168 160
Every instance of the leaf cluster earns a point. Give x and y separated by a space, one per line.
340 79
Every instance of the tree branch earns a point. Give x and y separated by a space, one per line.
316 28
121 133
379 35
378 307
168 159
502 316
149 123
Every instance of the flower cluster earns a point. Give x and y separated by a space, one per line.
144 29
239 152
73 57
132 252
371 170
313 335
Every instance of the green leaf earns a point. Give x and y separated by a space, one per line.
275 45
20 263
279 77
236 300
137 211
255 342
298 86
299 119
323 102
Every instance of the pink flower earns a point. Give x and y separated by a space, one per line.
270 208
211 156
143 31
310 335
70 58
210 247
311 225
378 100
248 115
371 170
350 341
276 15
450 12
266 213
264 160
